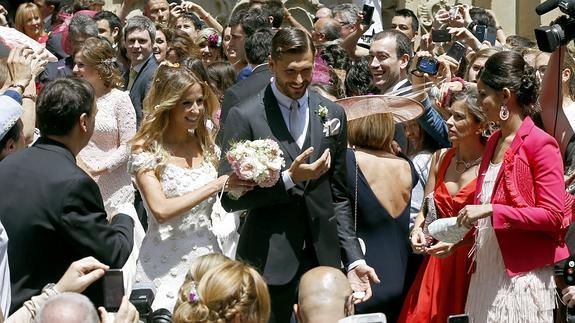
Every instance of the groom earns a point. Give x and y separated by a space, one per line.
305 220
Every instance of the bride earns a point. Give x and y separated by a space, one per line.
174 162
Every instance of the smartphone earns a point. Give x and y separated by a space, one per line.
113 289
440 36
427 65
460 318
480 31
367 14
457 50
491 35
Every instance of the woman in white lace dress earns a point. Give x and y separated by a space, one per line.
174 163
520 217
106 155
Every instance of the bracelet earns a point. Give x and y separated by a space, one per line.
32 97
22 87
205 17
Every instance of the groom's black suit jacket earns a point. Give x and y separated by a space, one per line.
54 215
280 222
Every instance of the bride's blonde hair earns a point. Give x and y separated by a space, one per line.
170 83
224 292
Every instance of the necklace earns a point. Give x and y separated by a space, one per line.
460 163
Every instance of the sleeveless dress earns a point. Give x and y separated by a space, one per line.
386 240
441 285
169 248
493 295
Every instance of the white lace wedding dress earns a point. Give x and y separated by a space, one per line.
169 248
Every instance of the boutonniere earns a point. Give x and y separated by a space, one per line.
330 126
322 113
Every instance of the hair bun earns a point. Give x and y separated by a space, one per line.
529 87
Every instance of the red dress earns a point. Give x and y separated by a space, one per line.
440 287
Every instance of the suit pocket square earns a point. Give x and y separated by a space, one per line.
331 127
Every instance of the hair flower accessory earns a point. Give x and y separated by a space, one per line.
110 61
193 297
214 40
169 64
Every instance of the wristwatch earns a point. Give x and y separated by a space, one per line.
50 289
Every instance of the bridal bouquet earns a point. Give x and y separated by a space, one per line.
259 161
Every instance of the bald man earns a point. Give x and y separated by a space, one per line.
325 30
323 12
68 308
324 296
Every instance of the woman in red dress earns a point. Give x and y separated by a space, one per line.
440 287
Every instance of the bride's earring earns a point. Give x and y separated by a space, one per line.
192 131
503 112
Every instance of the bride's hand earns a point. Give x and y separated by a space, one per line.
232 182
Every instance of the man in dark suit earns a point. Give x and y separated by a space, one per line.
305 219
257 47
52 210
139 34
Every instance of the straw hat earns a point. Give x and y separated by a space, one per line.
403 109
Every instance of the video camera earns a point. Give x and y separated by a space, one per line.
551 37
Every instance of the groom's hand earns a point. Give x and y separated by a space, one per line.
299 171
360 279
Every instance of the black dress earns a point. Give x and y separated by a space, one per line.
387 243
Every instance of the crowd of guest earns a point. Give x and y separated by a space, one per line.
114 134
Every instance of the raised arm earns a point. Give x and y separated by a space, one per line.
555 121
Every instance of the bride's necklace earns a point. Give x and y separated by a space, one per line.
461 165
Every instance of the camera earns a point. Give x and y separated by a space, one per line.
142 297
568 275
427 65
551 37
440 36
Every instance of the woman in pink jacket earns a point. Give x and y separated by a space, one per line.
520 202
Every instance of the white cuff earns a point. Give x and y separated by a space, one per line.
355 264
288 182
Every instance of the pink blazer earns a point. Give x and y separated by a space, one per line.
528 200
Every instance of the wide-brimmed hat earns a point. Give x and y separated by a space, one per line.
10 112
402 108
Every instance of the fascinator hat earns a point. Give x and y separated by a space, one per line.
402 108
399 103
10 113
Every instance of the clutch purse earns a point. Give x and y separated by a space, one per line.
430 216
447 230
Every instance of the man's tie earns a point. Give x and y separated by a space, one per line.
294 123
133 75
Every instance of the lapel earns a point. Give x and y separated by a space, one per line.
277 124
141 70
315 125
517 142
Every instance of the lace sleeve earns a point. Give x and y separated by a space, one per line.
126 118
141 162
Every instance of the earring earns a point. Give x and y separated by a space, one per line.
192 131
503 113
